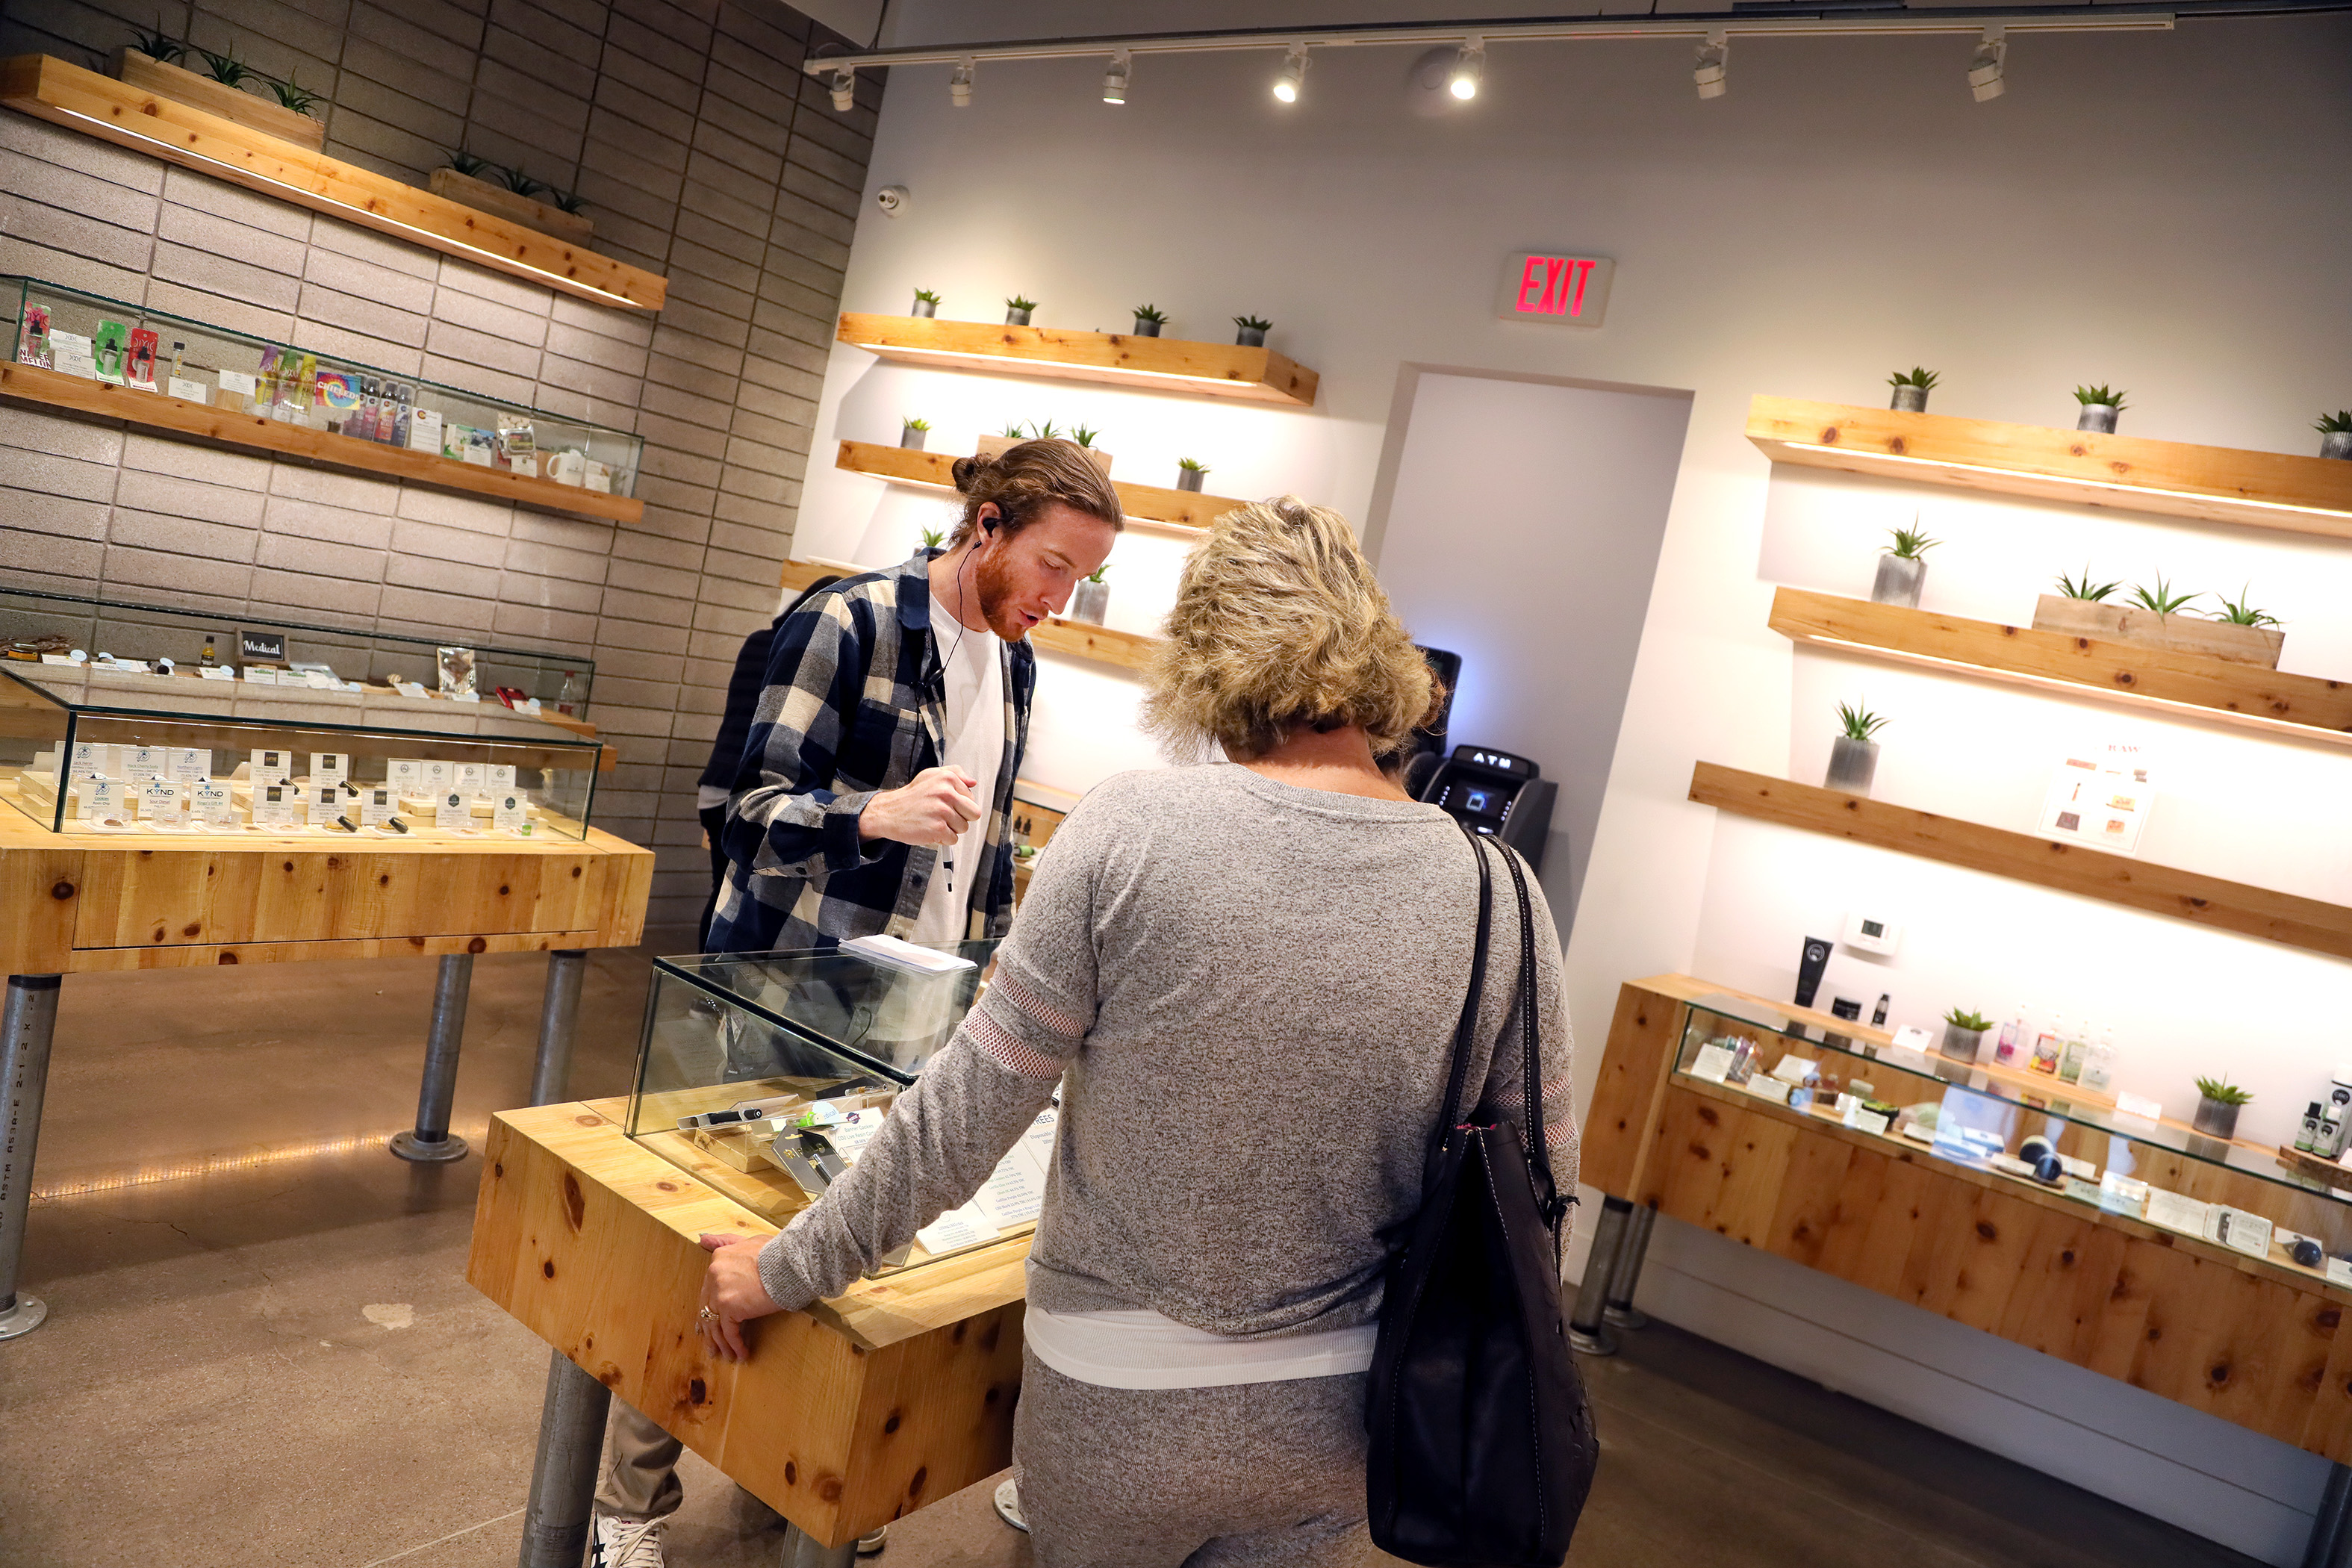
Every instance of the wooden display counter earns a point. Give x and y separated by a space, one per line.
94 902
2241 1338
846 1416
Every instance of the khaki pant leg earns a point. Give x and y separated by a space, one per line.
640 1468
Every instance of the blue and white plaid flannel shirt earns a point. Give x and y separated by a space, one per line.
854 704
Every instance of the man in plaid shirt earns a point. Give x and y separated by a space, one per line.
897 703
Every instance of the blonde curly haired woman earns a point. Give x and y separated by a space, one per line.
1246 976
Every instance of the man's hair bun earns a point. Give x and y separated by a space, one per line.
967 470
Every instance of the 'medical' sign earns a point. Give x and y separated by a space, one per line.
1565 291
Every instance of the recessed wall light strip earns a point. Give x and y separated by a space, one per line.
99 106
1698 25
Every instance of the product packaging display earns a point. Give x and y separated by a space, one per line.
153 745
99 338
2026 1127
766 1077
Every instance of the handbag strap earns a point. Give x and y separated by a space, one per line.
1466 1027
1555 1207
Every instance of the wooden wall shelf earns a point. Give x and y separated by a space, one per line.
1128 650
2171 478
1145 506
163 128
1115 359
2194 686
2287 918
159 411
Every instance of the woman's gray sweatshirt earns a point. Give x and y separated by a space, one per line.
1249 991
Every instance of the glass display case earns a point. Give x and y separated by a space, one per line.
141 719
99 338
765 1075
2017 1126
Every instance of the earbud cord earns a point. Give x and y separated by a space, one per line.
948 858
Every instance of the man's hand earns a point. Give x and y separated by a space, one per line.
731 1292
933 807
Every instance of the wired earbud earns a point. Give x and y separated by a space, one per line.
987 526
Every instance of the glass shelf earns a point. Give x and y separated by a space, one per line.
1983 1118
813 1047
104 341
71 724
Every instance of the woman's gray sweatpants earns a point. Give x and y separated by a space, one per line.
1255 1473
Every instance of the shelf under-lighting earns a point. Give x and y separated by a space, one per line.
1184 512
1115 359
2213 484
2184 685
163 127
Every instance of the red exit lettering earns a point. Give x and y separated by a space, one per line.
1553 286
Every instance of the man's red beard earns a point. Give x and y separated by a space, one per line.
993 577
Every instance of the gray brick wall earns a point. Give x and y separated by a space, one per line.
703 154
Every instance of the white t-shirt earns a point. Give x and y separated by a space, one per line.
974 666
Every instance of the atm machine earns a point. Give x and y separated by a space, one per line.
1496 793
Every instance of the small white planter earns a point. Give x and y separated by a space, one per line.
2098 417
1144 328
1088 601
1961 1045
912 438
1189 478
1899 580
1249 338
1014 318
924 308
1852 765
1910 399
2336 443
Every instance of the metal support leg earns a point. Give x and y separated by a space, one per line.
1617 1302
801 1551
430 1140
1584 1331
557 1515
27 1020
559 1015
2331 1529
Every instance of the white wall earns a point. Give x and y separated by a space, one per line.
1521 532
2162 211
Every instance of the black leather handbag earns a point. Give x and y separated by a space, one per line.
1482 1443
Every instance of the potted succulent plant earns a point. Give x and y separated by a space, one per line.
2153 615
1091 598
1149 319
1911 389
926 303
1853 755
1190 473
1903 567
1253 331
2335 433
1964 1032
933 539
912 432
1084 435
994 446
2217 1101
2100 406
1018 309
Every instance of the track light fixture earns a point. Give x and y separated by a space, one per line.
1115 78
845 91
1469 65
1294 74
1984 65
1712 71
959 84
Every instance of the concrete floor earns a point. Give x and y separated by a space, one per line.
262 1349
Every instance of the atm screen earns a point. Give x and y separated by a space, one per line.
1482 801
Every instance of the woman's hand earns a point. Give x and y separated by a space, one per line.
731 1293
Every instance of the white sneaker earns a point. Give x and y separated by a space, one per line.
872 1546
1008 1505
627 1544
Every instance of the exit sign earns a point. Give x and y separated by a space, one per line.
1550 286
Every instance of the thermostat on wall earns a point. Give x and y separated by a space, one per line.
1870 933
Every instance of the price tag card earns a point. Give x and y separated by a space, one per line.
237 384
194 391
1013 1194
269 767
324 803
1036 1145
467 777
1766 1088
188 763
2083 1169
2081 1190
217 672
1864 1120
97 797
453 810
210 803
2140 1105
2123 1194
329 767
2175 1212
438 776
1711 1063
856 1130
502 776
140 764
260 675
163 802
966 1226
1796 1070
377 806
2339 1271
70 353
274 805
93 759
405 776
510 811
